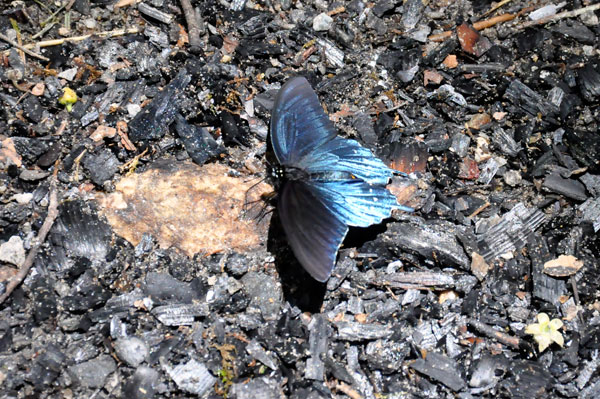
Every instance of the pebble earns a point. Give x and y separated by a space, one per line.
322 22
131 350
22 198
12 251
93 373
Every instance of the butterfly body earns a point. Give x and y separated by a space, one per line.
325 183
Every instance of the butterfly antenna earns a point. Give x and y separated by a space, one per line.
249 205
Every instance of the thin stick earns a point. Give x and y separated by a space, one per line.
23 48
192 22
56 42
480 25
497 6
48 222
561 15
506 339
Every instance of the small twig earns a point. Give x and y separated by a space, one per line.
497 6
479 210
561 15
498 335
192 22
23 48
348 390
480 25
44 230
56 42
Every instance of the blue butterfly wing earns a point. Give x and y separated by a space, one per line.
312 230
344 155
346 186
355 202
298 123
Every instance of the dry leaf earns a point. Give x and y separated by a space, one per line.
432 76
196 209
38 89
563 266
102 132
479 266
450 61
8 153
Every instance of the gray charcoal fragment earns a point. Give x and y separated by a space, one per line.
198 142
102 166
318 339
117 304
460 144
142 384
427 239
592 183
355 332
30 148
505 142
486 371
408 280
361 382
192 377
46 367
448 94
511 232
109 53
383 6
152 121
180 314
364 126
355 305
412 14
424 337
264 292
390 307
440 368
156 36
163 287
573 28
590 212
591 392
545 287
568 187
145 245
556 95
386 355
237 5
589 82
531 102
131 350
255 350
333 54
93 373
489 169
32 109
258 388
79 231
6 336
528 379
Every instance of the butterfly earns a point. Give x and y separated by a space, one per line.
325 183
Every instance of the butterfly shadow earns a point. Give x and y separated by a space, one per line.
299 288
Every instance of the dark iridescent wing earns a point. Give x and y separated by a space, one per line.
344 155
355 202
298 123
312 230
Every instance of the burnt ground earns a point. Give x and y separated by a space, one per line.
493 112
